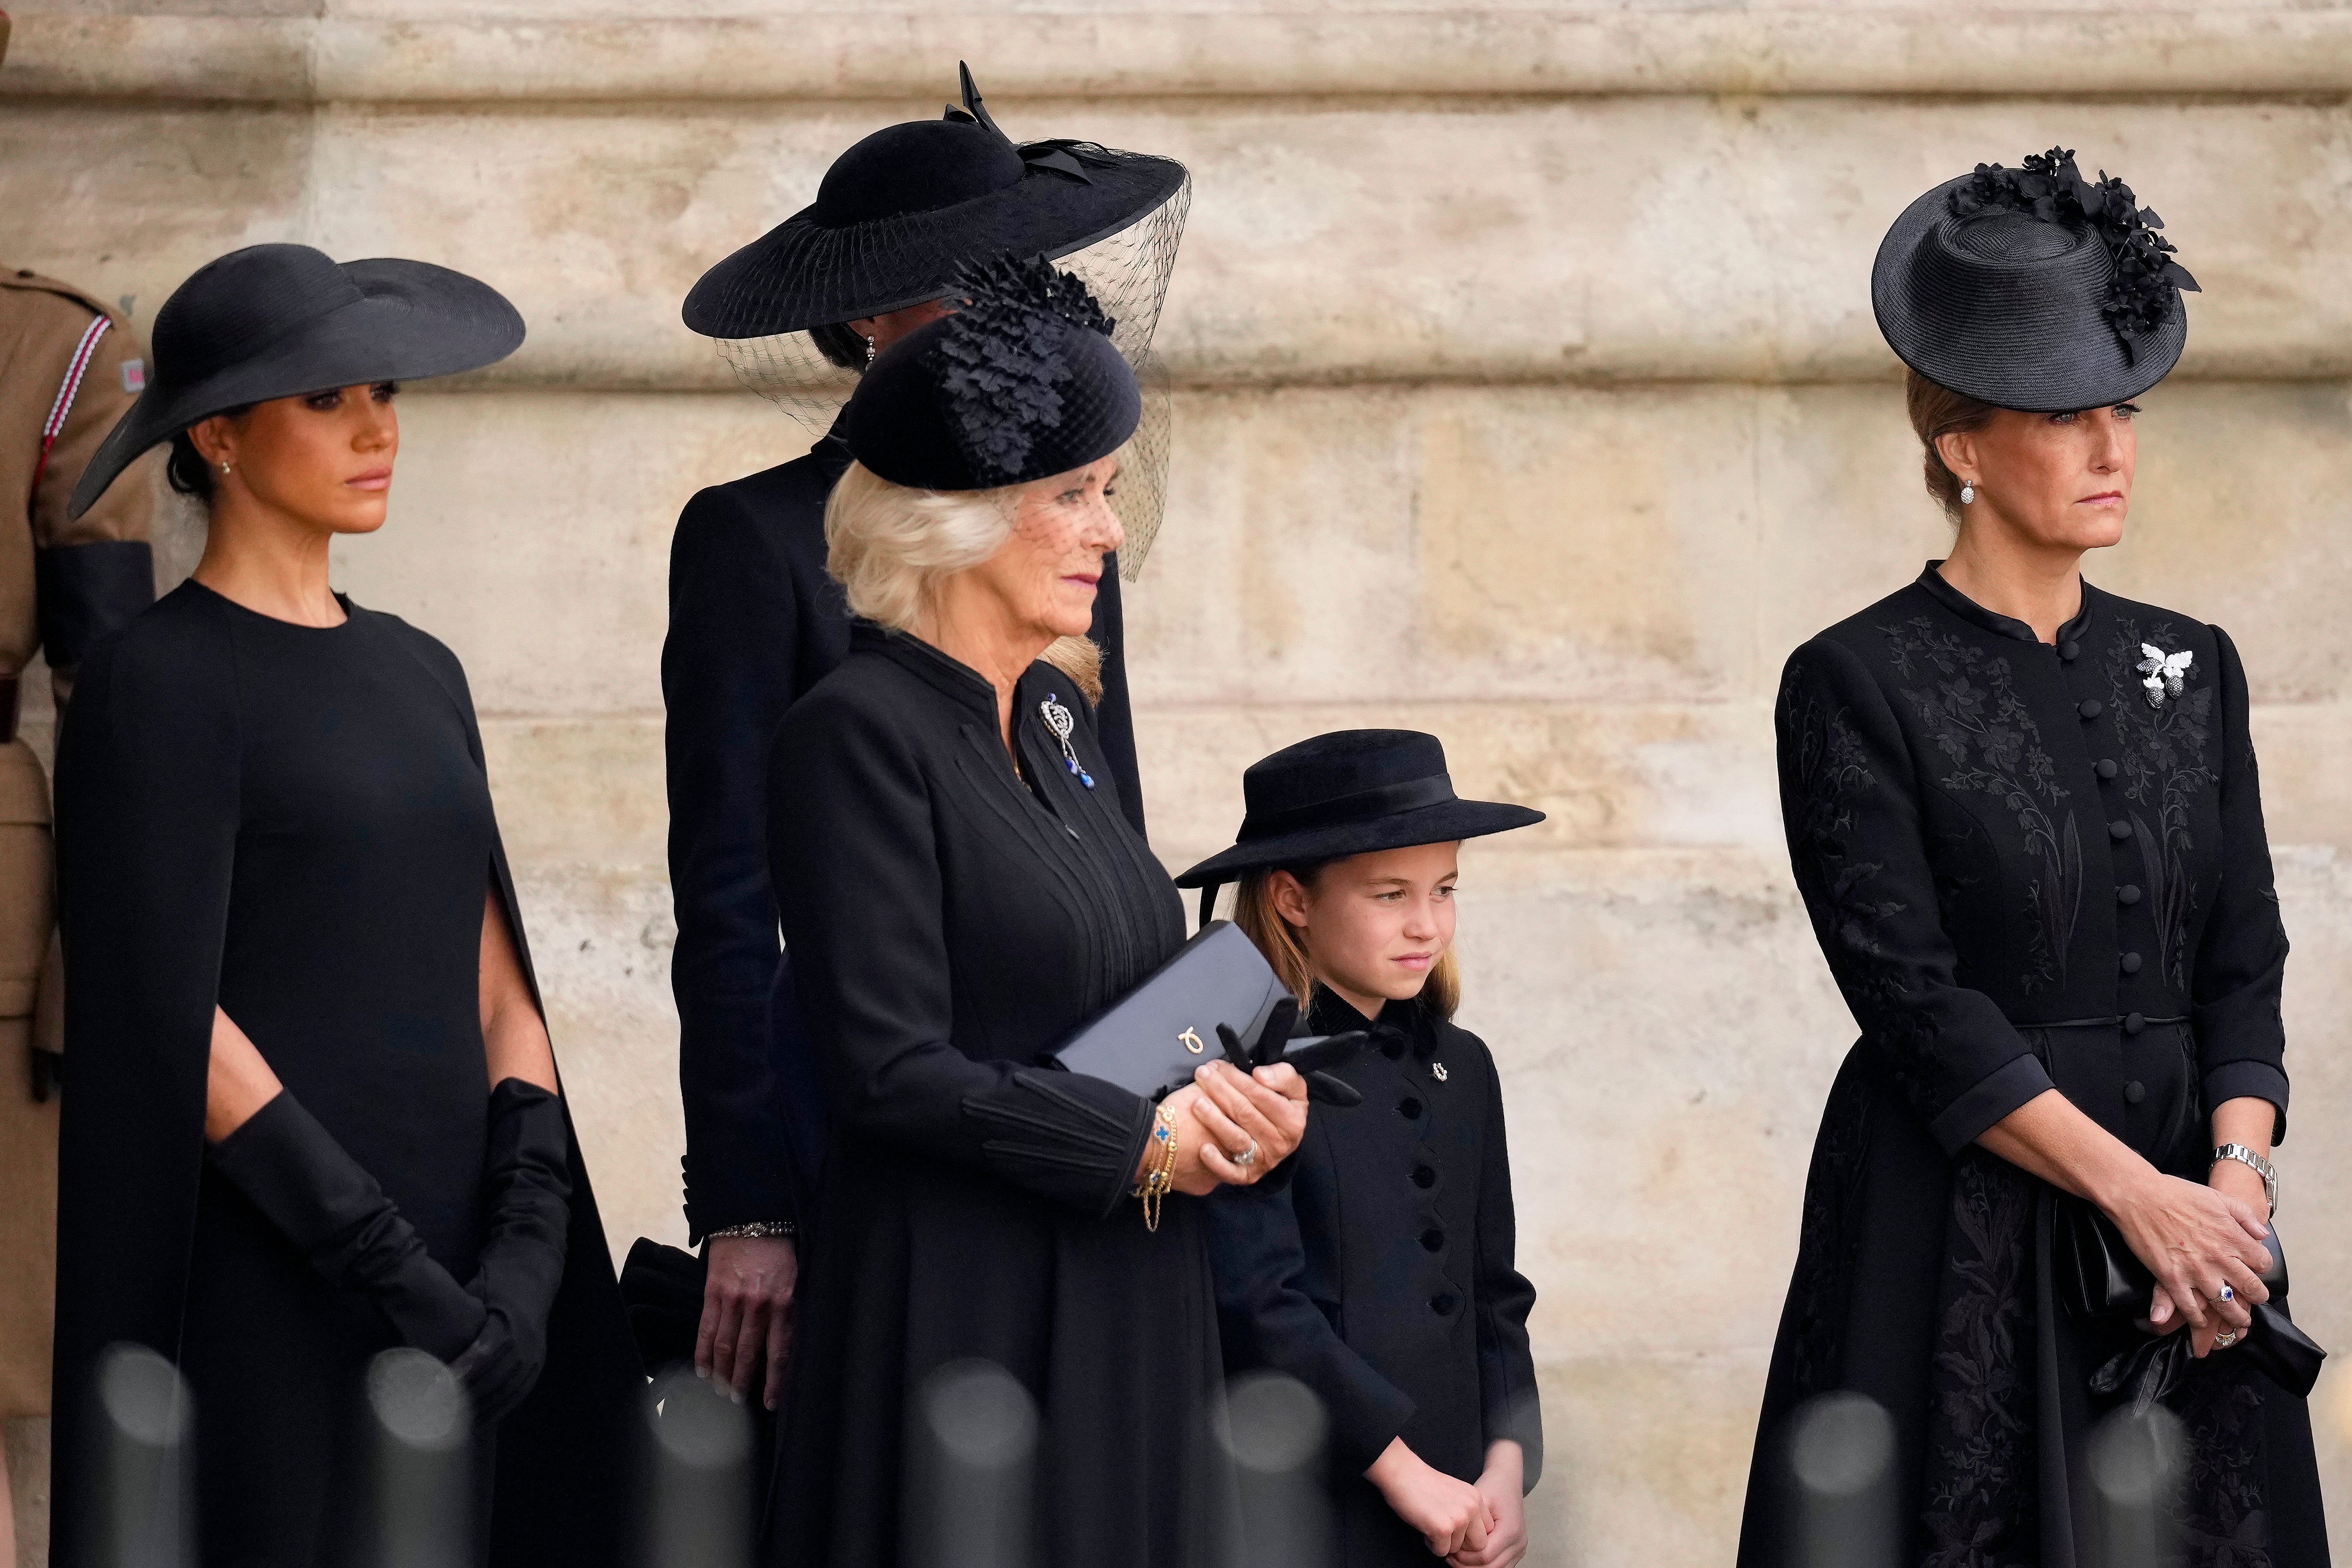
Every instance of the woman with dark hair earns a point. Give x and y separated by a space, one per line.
314 1112
755 622
2024 816
968 891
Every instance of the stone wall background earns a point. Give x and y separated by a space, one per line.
1528 393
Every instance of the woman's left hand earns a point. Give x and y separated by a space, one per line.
2234 1179
1252 1120
1504 1486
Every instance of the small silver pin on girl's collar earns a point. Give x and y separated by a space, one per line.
2165 672
1058 719
1437 1071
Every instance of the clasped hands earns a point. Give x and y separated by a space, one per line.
2196 1240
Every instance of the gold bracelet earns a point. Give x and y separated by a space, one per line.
1162 1178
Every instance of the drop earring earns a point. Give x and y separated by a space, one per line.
225 465
1967 494
869 349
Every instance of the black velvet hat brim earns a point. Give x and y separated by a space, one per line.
1441 824
801 274
2029 346
413 320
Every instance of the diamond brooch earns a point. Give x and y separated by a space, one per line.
2163 672
1059 721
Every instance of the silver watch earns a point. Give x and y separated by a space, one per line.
758 1227
2262 1167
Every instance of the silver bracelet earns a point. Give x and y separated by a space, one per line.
2261 1167
758 1229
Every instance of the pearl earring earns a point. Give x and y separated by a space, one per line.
225 465
1967 494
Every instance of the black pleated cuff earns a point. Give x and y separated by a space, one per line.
1988 1099
2250 1081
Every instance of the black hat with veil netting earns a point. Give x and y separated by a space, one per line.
902 213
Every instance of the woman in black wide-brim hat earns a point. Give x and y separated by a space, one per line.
2024 816
968 891
755 621
1383 1273
314 1112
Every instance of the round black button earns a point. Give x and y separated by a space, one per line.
2131 961
2119 831
2133 1092
1433 1240
1423 1177
1442 1305
2106 768
1392 1042
2135 1022
2069 648
2092 708
1409 1107
2127 894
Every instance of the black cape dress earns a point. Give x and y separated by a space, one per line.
949 921
1381 1274
2026 872
293 823
754 622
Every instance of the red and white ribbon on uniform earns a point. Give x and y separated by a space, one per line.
54 426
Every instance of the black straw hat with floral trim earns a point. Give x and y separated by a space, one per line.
1351 792
279 321
2033 288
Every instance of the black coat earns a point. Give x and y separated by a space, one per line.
2025 873
1381 1273
754 622
293 823
949 922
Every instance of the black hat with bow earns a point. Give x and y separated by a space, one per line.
1352 792
901 211
279 321
2033 288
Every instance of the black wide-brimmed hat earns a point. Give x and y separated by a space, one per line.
1351 792
899 212
277 320
2033 288
1021 383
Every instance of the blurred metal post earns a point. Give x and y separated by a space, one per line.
700 1513
1842 1473
2136 1464
144 1468
971 1500
420 1445
1276 1431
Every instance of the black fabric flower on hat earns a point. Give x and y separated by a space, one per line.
2142 293
1003 367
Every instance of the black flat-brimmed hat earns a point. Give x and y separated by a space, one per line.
2033 288
1352 792
1021 383
899 212
277 320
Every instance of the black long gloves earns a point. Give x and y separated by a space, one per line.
527 1188
317 1195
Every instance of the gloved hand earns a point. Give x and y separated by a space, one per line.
527 1188
1272 1045
333 1212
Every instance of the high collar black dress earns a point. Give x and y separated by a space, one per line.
2028 868
949 922
293 823
1382 1274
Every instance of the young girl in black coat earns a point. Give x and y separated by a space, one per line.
1381 1274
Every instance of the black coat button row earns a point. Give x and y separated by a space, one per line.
2091 708
2069 648
2135 1022
1409 1107
1433 1240
2133 1092
1424 1176
1444 1305
2127 894
2104 767
2130 963
2119 831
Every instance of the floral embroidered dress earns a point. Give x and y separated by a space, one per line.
2030 865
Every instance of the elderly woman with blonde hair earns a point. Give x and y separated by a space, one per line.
966 893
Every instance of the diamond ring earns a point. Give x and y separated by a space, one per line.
1247 1156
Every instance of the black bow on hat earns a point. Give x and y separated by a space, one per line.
279 321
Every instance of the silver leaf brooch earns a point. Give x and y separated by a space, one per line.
2163 672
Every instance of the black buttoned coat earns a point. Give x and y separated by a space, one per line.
2030 865
1381 1272
754 622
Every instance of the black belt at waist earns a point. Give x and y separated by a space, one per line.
7 708
2129 1023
